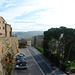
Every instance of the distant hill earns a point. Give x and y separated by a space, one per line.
28 34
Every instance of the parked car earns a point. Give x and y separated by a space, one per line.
53 66
19 58
21 54
21 63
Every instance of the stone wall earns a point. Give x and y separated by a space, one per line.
8 45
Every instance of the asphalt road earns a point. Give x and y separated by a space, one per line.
37 64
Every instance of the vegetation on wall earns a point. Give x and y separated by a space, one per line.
7 60
7 63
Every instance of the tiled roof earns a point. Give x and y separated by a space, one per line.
27 39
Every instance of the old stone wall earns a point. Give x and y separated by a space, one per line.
8 45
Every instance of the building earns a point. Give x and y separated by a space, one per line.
28 42
8 44
5 29
22 43
37 41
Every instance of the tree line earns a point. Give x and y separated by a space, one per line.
59 45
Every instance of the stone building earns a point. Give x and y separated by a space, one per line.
37 41
5 29
28 42
24 42
8 44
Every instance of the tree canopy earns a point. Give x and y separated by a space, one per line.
63 47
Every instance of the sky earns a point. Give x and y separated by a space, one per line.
38 15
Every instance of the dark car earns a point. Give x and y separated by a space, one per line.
53 66
21 54
20 58
21 63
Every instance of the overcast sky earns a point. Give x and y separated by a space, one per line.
38 15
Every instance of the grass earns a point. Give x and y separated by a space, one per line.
40 49
72 65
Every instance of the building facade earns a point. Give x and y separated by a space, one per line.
28 42
5 29
8 44
37 41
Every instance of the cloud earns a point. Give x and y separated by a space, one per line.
38 14
23 21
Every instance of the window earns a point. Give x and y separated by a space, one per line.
3 27
2 51
0 33
3 22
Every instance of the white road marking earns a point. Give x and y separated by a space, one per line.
53 72
43 60
36 62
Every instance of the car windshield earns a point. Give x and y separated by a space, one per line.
22 53
21 58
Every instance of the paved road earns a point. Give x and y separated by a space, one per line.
37 64
32 69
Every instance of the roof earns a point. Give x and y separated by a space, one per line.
2 18
8 24
28 39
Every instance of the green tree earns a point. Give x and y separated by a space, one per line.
63 48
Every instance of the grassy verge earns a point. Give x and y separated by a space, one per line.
40 49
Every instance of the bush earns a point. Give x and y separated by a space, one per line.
39 49
63 66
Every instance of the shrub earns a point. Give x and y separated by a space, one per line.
39 49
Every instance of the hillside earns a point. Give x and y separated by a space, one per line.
28 34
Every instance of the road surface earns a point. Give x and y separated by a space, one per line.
37 64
